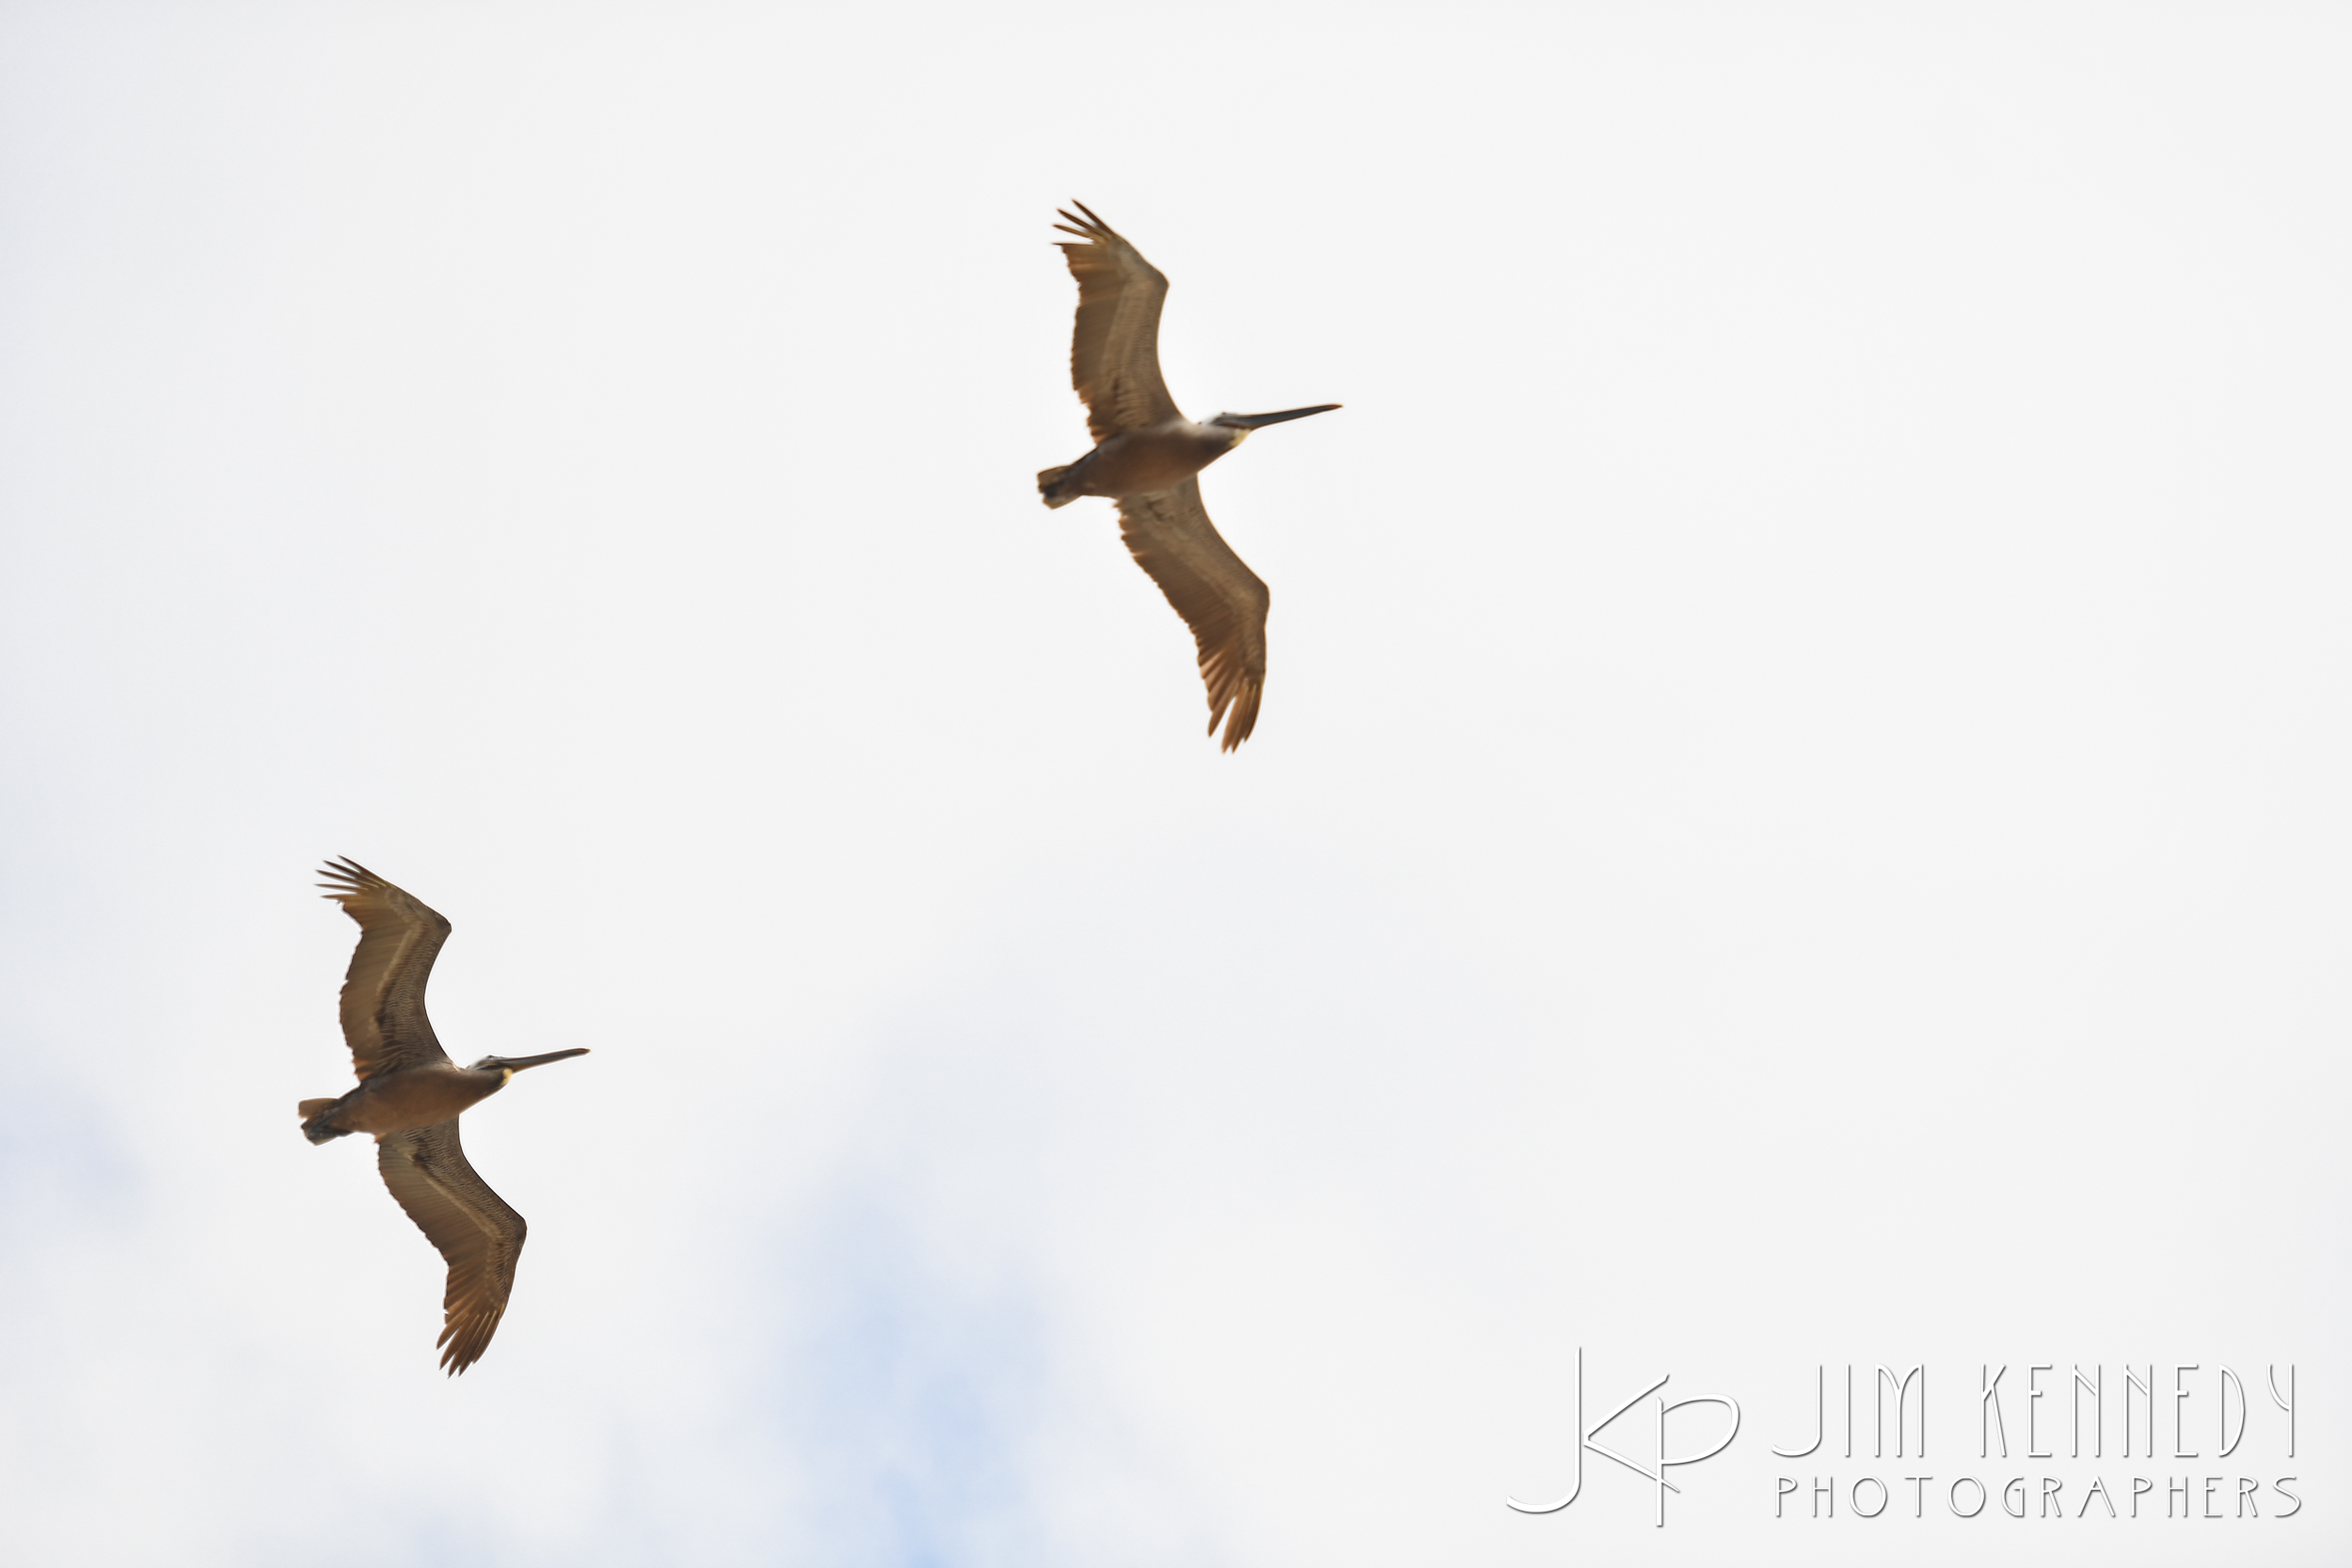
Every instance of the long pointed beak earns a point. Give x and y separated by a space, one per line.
1259 422
518 1062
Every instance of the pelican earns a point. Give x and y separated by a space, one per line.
411 1096
1146 454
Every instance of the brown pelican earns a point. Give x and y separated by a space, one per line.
1145 456
410 1095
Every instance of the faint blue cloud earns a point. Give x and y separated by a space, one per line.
923 1393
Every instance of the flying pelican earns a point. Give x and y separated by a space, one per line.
1146 453
411 1096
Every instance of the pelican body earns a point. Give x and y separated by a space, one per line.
411 1096
1147 456
1159 457
423 1096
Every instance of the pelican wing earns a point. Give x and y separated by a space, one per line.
1115 355
384 1019
1222 600
472 1228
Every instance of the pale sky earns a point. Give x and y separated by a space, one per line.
1799 817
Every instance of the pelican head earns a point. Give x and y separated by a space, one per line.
1242 424
506 1067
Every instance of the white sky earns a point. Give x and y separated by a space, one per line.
1799 817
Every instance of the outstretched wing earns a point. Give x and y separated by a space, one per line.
474 1230
1115 354
384 1019
1222 600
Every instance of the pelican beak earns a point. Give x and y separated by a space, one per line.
1259 422
516 1064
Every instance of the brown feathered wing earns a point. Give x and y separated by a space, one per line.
476 1232
1115 354
1222 600
384 1019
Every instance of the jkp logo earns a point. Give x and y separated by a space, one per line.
1656 1474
